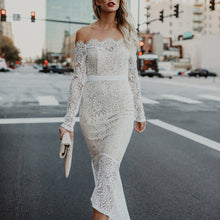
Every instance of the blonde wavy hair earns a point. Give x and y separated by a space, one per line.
125 23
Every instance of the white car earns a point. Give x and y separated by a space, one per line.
163 72
3 65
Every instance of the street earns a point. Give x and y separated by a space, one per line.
169 172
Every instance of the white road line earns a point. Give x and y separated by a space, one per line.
215 98
195 137
181 99
149 101
1 98
196 86
33 120
47 100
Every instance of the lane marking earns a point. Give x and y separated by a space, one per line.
47 100
33 120
196 86
181 99
215 98
1 98
149 101
188 134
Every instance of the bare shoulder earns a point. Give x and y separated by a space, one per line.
84 32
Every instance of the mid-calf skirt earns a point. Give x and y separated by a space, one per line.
107 121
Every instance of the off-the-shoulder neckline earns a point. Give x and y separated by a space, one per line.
98 41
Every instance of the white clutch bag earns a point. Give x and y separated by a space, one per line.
66 150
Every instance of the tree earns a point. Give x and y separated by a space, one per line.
8 50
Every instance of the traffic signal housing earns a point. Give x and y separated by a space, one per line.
212 5
33 16
141 44
161 16
3 15
176 10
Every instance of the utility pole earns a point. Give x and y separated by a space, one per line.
138 29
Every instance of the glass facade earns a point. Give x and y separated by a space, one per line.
74 10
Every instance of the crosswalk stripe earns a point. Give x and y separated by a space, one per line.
33 120
149 101
188 134
189 85
215 98
181 99
47 100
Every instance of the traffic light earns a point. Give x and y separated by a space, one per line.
161 16
141 44
3 15
212 5
176 10
33 16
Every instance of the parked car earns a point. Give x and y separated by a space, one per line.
201 73
56 69
3 65
45 69
52 69
163 72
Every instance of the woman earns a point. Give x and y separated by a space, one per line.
106 87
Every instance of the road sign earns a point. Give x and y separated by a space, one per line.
16 17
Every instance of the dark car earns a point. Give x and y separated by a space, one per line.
45 69
56 69
53 69
201 73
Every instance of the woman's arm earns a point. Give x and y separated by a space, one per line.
76 85
135 87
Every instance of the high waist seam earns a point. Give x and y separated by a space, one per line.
99 77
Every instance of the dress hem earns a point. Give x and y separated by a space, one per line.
98 208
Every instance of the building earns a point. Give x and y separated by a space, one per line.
79 11
58 43
196 18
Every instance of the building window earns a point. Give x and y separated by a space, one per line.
210 25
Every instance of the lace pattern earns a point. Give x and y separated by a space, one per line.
108 195
108 102
135 86
79 78
76 86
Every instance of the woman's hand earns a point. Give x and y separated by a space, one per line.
140 126
62 130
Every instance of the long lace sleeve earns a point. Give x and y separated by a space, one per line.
76 86
135 87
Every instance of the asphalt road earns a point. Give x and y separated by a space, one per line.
169 172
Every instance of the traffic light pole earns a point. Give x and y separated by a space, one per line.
157 19
138 28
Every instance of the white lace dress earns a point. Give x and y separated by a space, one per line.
105 89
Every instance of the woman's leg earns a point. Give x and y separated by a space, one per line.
98 215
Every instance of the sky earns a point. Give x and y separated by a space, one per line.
29 37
